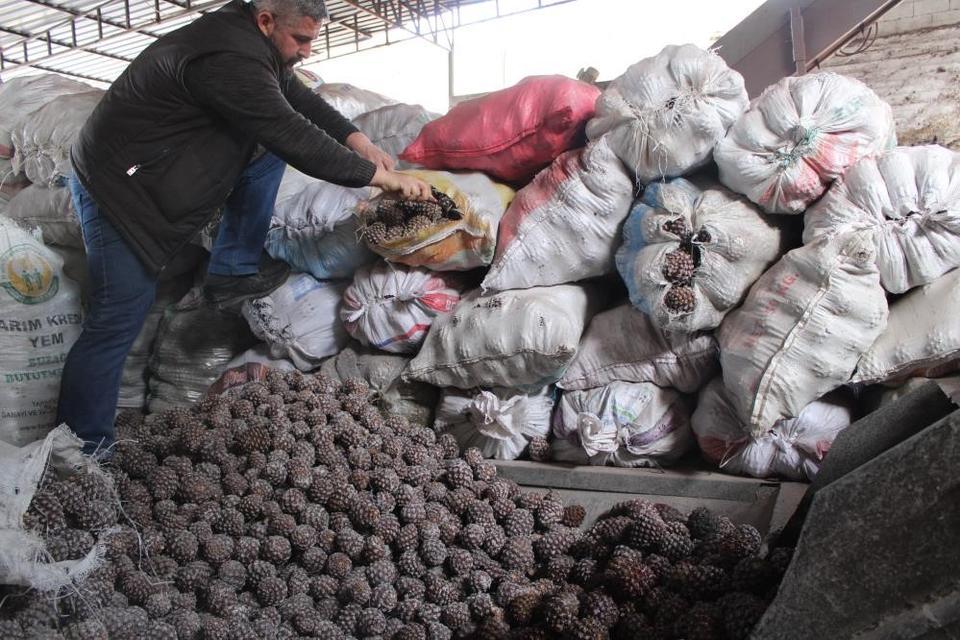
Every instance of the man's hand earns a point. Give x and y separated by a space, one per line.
362 145
407 186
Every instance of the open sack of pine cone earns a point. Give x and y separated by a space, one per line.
456 231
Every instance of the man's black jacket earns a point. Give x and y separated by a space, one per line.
165 146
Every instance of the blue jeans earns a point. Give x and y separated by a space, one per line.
122 291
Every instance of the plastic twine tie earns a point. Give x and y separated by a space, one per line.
595 436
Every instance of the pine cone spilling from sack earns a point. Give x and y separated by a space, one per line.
678 267
375 233
449 207
430 210
680 299
679 228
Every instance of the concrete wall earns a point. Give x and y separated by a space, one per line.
912 15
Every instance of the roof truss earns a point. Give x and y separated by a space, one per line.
96 39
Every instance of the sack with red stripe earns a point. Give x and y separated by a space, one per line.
391 306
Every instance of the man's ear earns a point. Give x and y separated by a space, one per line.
266 22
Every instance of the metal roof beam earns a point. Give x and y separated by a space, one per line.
381 11
195 8
47 39
74 74
93 18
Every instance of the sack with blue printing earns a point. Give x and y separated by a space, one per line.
315 231
690 254
624 424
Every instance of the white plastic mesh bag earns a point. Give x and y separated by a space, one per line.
802 329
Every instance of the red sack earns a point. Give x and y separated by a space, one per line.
509 134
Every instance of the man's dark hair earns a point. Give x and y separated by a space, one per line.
315 9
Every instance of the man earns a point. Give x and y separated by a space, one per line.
171 143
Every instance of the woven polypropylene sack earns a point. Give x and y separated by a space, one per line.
49 209
909 198
300 320
193 345
24 559
391 307
449 244
624 344
40 319
21 97
510 134
42 142
689 255
500 422
351 101
509 339
625 424
394 127
793 449
415 401
665 114
315 231
804 325
922 333
133 381
799 136
565 225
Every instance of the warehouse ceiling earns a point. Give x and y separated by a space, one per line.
96 39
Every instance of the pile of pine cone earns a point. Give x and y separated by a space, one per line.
293 508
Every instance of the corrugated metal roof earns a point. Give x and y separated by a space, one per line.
96 39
